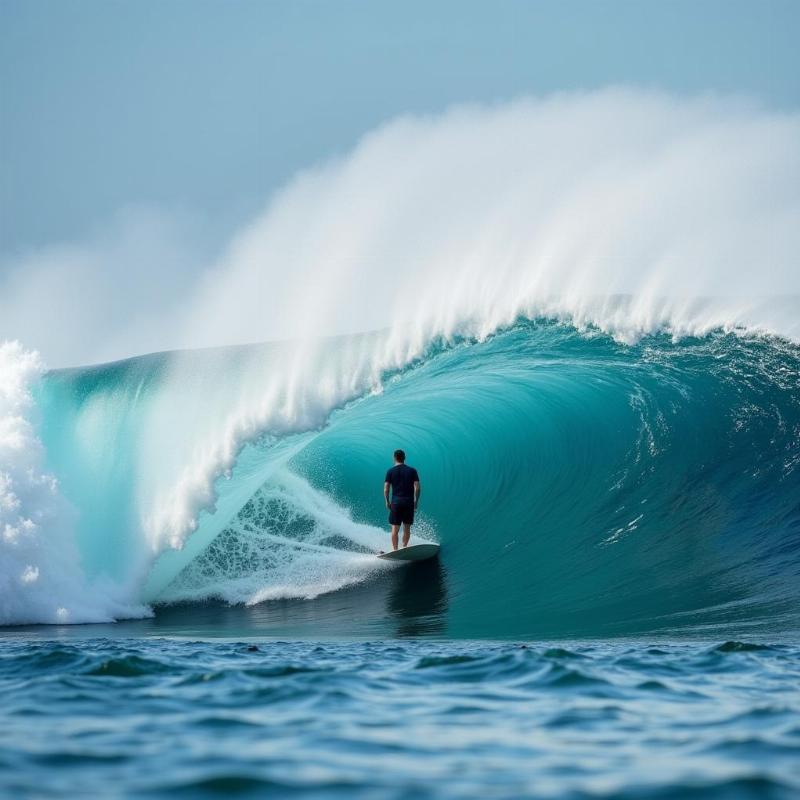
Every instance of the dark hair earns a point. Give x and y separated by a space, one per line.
400 456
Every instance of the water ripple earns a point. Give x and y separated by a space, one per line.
158 718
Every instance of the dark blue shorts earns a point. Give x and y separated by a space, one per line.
401 512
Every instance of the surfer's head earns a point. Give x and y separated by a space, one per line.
400 456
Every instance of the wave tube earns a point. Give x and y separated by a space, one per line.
578 485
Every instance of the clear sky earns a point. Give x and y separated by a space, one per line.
208 106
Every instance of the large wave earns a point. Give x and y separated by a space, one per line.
583 301
577 485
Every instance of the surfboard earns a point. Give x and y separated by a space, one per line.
414 552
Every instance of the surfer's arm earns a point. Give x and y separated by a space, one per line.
417 490
386 494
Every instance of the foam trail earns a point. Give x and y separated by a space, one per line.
289 540
41 579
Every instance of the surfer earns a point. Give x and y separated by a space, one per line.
404 484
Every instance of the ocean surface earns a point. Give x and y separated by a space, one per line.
179 717
190 603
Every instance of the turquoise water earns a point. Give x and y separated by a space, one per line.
630 513
577 486
152 717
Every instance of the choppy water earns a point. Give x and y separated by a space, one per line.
152 717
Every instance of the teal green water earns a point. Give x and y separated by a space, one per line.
581 487
577 486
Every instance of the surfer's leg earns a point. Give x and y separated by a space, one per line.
395 530
406 533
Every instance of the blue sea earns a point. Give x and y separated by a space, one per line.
191 605
148 716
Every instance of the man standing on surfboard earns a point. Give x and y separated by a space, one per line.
404 483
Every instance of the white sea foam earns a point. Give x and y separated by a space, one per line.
41 580
549 206
289 541
542 205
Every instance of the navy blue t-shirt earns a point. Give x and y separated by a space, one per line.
401 478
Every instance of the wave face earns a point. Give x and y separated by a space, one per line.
578 486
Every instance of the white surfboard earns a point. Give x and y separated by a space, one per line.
414 552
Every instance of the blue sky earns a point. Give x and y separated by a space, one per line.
208 107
